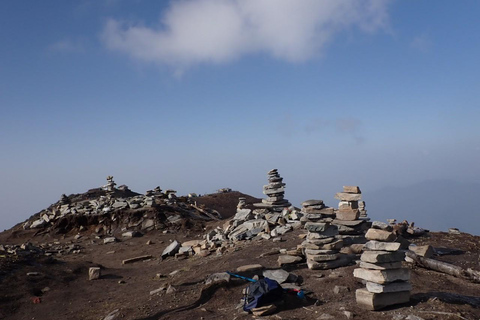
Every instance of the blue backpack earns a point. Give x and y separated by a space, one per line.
262 292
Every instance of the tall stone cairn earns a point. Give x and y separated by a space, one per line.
351 227
316 211
275 191
387 283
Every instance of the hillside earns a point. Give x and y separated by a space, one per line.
44 272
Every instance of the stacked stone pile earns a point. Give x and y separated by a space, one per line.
321 246
348 215
275 191
104 206
381 270
316 211
363 211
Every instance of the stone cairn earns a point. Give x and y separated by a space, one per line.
110 186
322 247
381 269
363 211
275 191
350 225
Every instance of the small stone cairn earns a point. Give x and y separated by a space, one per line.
381 269
275 191
321 247
350 226
110 186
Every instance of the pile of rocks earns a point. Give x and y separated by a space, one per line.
275 191
316 211
104 206
381 269
321 246
348 220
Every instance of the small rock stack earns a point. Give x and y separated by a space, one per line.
348 215
316 211
363 211
321 246
110 186
381 269
275 191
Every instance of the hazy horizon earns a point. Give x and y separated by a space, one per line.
197 95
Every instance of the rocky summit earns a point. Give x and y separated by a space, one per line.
112 253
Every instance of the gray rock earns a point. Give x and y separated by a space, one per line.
341 289
93 273
382 276
131 234
112 315
243 215
382 256
278 275
109 240
375 301
389 287
381 225
381 246
309 203
218 277
37 223
343 196
250 267
171 249
286 259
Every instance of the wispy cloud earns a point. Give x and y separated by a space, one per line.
219 31
68 45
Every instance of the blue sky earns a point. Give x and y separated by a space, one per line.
203 94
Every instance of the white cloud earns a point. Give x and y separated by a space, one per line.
219 31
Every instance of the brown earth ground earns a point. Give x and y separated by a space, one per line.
65 292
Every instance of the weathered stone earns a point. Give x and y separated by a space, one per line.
38 223
381 225
171 249
382 276
343 196
373 245
361 224
153 292
109 240
256 224
380 266
324 229
286 259
192 243
323 239
148 224
264 311
93 273
309 203
218 277
377 301
348 205
389 287
335 245
424 251
250 267
343 260
140 258
278 275
351 189
341 289
131 234
322 257
243 214
381 235
382 256
326 211
348 214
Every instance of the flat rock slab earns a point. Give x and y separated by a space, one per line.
382 256
382 276
286 259
380 235
171 249
381 225
309 203
376 301
381 266
382 246
343 196
278 275
136 259
324 229
342 261
322 257
348 214
424 251
250 267
389 287
351 189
